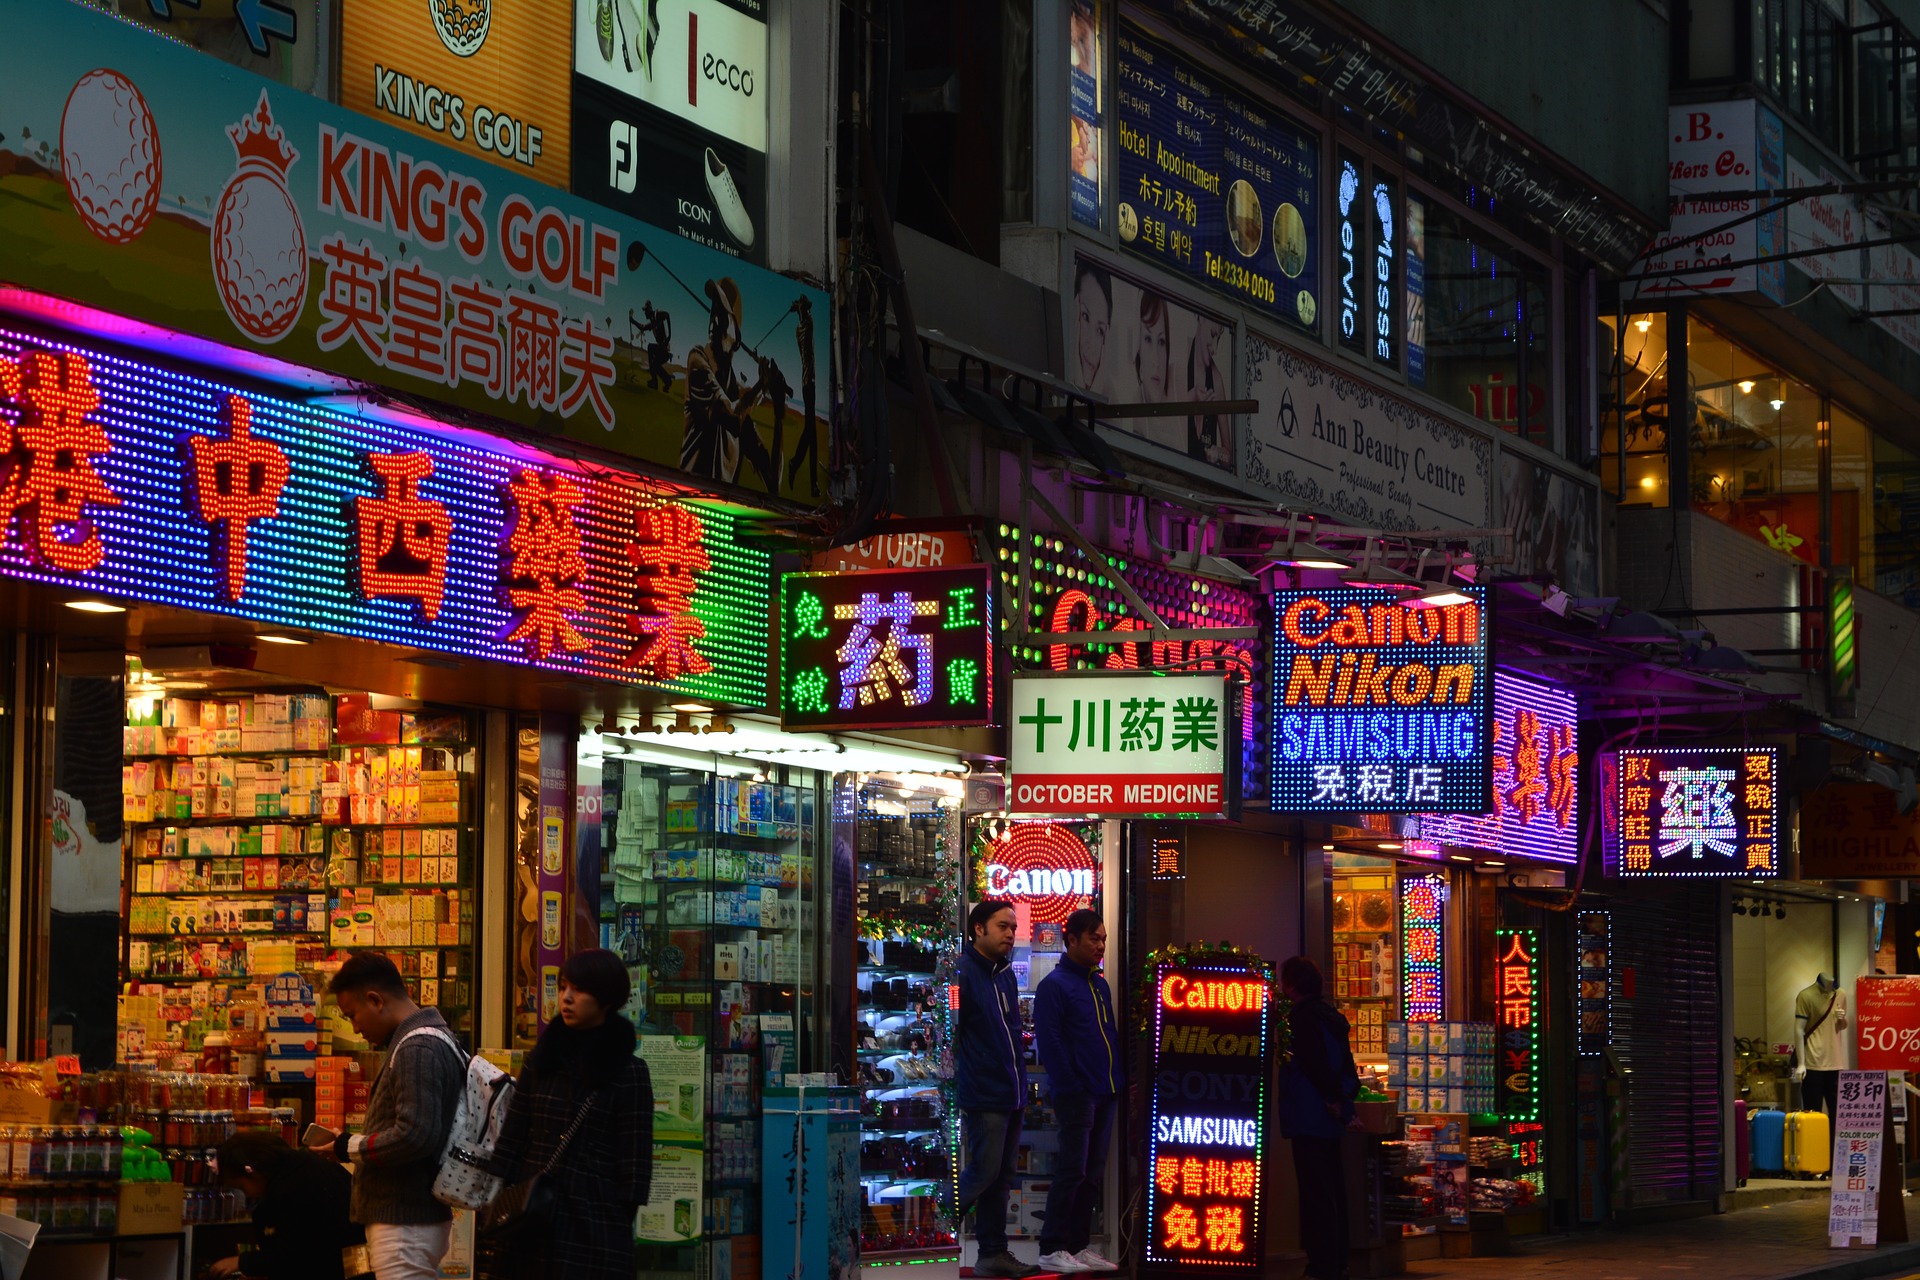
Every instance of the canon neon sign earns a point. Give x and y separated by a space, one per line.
1046 866
1228 995
1009 882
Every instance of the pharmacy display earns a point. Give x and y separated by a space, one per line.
1214 184
266 834
1380 708
1211 1027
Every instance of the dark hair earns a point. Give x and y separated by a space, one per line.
1302 975
1084 271
1081 921
265 1153
367 971
601 974
983 912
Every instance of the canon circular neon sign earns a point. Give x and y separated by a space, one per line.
1043 864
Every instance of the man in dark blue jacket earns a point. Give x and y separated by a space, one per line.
990 1083
1080 1048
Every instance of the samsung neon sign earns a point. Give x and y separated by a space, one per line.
1379 708
145 484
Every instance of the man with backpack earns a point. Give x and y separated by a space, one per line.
410 1114
1315 1105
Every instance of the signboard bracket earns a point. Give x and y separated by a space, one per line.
1156 626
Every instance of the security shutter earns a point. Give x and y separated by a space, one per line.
1667 1038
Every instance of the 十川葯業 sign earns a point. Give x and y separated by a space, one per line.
1378 708
1120 744
887 648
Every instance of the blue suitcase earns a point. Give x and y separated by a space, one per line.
1769 1142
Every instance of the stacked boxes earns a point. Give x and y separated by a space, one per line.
263 722
1441 1066
293 1030
339 1093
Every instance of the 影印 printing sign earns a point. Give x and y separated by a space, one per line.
1379 708
1120 744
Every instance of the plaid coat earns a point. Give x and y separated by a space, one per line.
603 1176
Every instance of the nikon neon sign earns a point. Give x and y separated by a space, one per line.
1379 708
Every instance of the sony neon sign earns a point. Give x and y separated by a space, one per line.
145 484
1379 708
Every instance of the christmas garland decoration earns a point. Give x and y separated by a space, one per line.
1199 955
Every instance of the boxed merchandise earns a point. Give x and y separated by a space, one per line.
151 1209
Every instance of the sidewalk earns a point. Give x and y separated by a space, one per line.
1785 1241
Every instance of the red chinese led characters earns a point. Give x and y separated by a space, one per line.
403 537
237 480
666 553
544 567
51 478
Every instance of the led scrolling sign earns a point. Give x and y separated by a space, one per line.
1205 1131
141 483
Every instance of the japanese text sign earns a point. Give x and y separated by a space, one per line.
1423 901
1118 745
1214 184
1379 708
1536 778
887 649
1516 978
1889 1019
216 204
1205 1133
1855 831
1697 811
1859 1127
144 484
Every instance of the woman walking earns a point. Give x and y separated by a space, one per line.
582 1069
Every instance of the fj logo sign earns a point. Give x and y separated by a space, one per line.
623 146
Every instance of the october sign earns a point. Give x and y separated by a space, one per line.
1210 1063
1379 708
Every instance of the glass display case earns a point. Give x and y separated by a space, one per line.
708 892
907 911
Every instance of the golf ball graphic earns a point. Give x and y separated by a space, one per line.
258 244
110 155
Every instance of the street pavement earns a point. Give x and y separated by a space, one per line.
1784 1241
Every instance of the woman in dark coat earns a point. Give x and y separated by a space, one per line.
300 1224
602 1178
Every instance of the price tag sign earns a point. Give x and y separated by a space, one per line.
1889 1023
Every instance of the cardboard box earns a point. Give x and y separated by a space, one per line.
151 1208
21 1106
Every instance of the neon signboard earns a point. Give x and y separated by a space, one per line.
1205 1130
1536 778
1696 812
1516 974
1044 864
1379 708
1423 988
886 649
1119 744
145 484
1071 593
1167 853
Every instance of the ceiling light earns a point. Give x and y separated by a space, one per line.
1327 847
1442 595
184 684
1302 553
1746 386
1459 857
1382 577
692 707
1644 323
272 639
95 606
1647 482
1778 405
1490 862
1391 846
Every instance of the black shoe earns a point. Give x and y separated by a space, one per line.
1003 1264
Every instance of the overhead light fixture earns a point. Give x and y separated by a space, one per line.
1778 405
277 639
1304 553
1493 862
95 606
1644 323
1458 857
1327 848
1648 482
1746 386
1391 846
692 708
1373 574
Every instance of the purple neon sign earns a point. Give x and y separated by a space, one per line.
1536 778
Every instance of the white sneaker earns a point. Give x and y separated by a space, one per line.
1091 1261
726 198
1062 1262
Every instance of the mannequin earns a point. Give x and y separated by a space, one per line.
1821 1011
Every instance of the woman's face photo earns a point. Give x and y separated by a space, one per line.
1094 314
1151 360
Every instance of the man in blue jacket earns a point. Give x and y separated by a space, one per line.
990 1083
1080 1048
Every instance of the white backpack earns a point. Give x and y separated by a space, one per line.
466 1179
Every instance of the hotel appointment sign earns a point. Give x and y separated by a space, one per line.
1122 745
